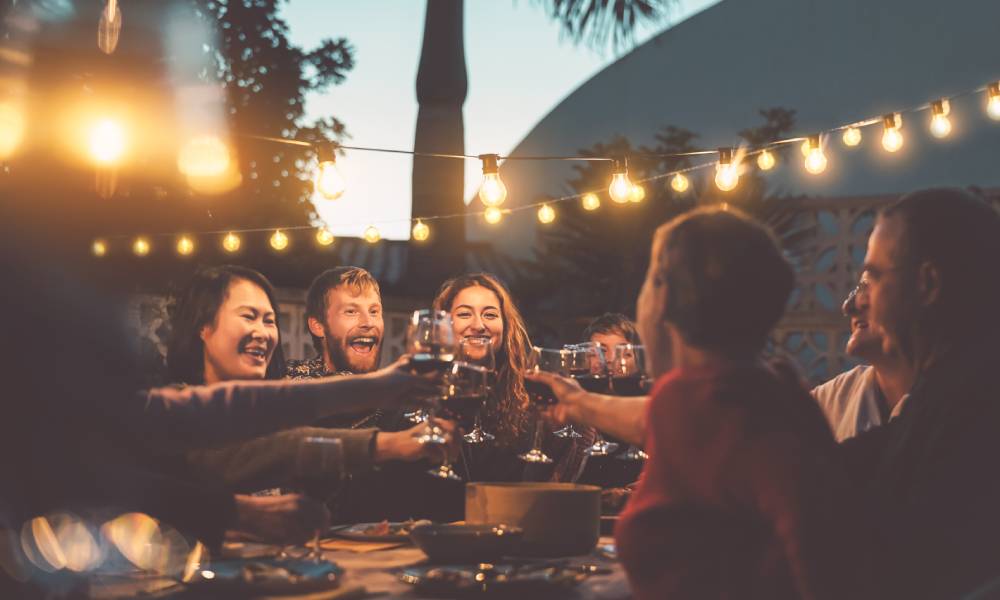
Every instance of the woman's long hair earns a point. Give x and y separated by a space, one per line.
509 412
198 306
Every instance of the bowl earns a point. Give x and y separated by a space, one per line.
558 519
466 543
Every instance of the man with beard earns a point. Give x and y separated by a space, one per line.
871 394
344 316
931 474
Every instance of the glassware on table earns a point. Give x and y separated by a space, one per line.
590 369
477 352
430 341
319 474
628 378
552 361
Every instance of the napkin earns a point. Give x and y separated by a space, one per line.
358 546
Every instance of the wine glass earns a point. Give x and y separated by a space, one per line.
477 352
628 378
590 369
575 360
430 340
319 473
552 361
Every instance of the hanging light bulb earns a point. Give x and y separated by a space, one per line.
765 160
231 242
372 234
815 160
329 181
185 246
940 125
106 142
852 136
492 192
324 237
203 156
99 248
590 201
726 174
620 189
680 183
805 147
279 241
546 214
493 215
638 193
109 27
421 231
993 101
892 139
140 246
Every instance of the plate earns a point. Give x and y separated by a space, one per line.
399 531
267 575
528 580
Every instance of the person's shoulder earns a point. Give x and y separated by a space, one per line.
837 387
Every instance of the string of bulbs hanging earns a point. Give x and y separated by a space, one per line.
331 184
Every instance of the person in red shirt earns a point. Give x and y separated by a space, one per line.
743 494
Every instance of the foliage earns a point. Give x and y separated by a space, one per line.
594 21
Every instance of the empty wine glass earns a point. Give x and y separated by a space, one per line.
477 352
430 340
319 473
628 378
590 369
552 361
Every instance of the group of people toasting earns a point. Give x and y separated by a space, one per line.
743 489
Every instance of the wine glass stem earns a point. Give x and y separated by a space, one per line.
537 445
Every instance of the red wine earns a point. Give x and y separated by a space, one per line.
539 392
319 487
426 362
593 383
629 385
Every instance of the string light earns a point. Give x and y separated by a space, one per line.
99 248
620 189
107 142
993 101
109 27
940 125
638 193
203 156
324 237
805 147
421 231
852 136
492 192
493 215
140 246
185 246
680 183
815 160
329 181
231 242
765 160
372 234
590 201
279 241
726 175
892 139
546 214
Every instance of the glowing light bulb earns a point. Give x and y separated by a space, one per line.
106 142
546 214
620 189
279 241
815 160
680 183
109 27
638 193
329 181
421 231
140 246
203 156
492 192
99 248
726 174
324 237
940 125
12 126
765 160
852 136
590 201
493 215
993 103
231 242
185 246
892 139
372 234
805 148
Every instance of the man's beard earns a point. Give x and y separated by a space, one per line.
337 350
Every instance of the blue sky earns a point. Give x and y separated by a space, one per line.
519 64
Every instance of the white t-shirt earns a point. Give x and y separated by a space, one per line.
852 402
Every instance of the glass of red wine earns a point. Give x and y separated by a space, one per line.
552 361
319 474
430 341
473 385
590 369
628 378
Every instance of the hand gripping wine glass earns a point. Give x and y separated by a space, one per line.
430 340
473 385
552 361
319 473
590 369
628 378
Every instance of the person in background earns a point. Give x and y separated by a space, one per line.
609 330
868 395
